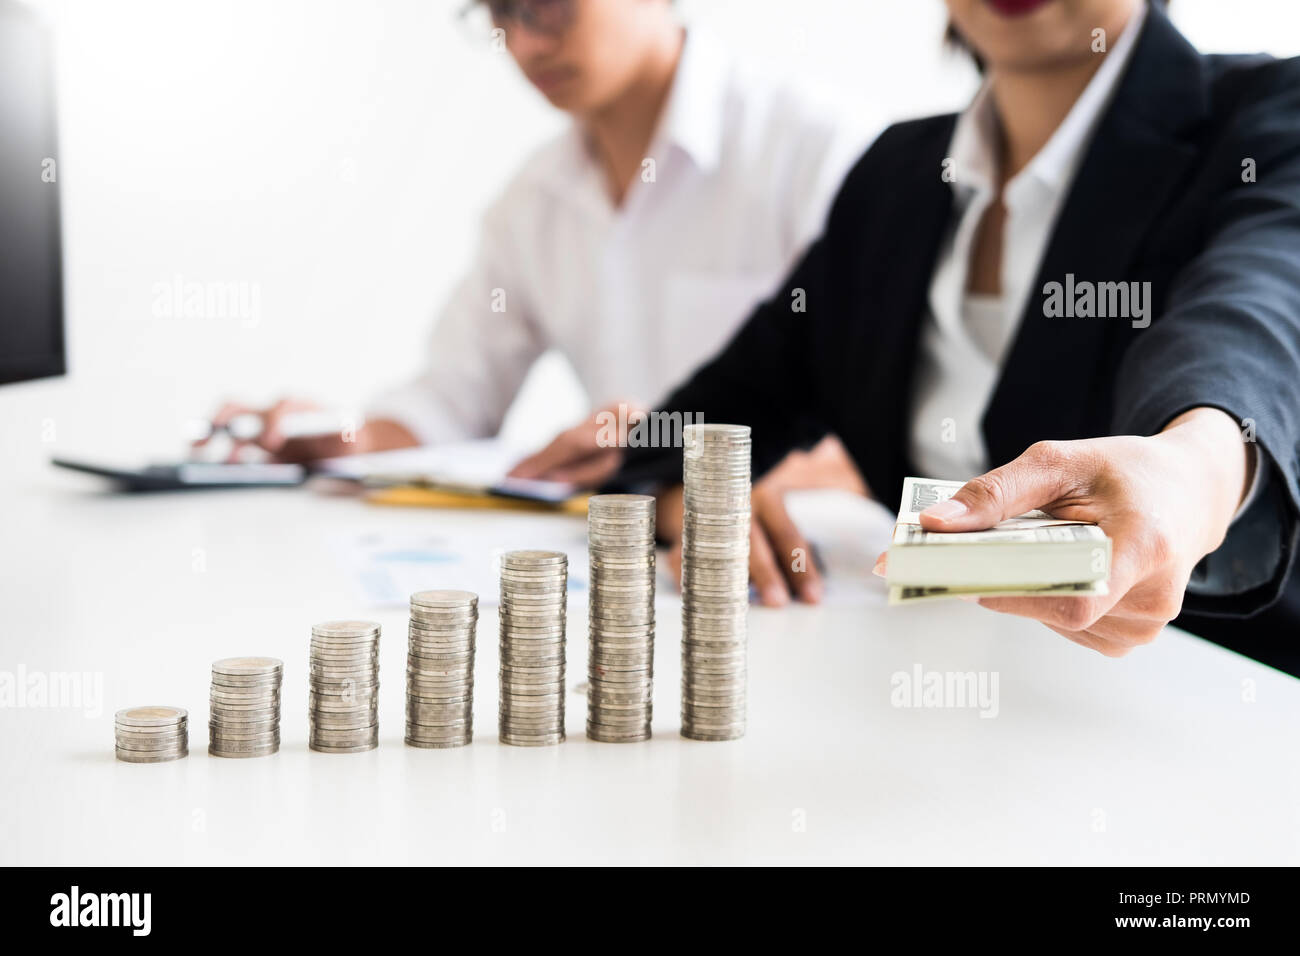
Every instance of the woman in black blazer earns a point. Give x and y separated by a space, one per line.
1120 310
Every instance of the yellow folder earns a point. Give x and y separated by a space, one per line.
415 496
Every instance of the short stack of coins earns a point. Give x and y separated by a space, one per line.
532 616
440 669
151 734
343 687
244 707
715 580
620 617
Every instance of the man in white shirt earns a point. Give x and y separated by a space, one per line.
635 243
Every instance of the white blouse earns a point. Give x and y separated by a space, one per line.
965 338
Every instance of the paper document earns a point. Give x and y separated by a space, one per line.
473 464
388 568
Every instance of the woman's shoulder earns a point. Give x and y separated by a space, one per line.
1241 82
900 149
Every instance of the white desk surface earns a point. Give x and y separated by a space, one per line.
1181 753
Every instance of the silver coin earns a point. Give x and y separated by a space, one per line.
519 740
153 716
346 629
216 710
531 558
444 598
446 655
135 756
432 741
251 700
260 752
605 737
248 666
326 749
461 741
533 731
149 746
619 503
541 576
345 734
170 742
162 730
632 567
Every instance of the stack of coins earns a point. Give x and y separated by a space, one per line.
715 580
620 617
343 689
152 734
440 669
244 707
532 616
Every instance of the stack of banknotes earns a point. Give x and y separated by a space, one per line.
1031 555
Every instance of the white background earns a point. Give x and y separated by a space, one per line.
337 154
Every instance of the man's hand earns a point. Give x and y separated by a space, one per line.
581 455
276 445
780 559
1165 501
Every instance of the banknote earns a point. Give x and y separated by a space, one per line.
909 595
1030 555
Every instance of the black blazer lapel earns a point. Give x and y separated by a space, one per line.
892 296
1139 153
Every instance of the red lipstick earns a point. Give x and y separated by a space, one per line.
1015 8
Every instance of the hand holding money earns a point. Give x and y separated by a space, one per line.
1164 502
1029 555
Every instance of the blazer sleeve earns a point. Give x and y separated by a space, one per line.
1230 339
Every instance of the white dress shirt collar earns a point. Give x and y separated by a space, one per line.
692 122
692 119
964 340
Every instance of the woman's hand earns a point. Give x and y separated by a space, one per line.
1165 502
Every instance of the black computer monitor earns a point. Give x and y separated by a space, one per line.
31 259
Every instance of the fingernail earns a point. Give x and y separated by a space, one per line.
774 597
946 510
879 569
812 592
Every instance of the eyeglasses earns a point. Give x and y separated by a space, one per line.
549 17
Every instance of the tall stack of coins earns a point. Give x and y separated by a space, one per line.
244 707
440 669
151 734
532 613
620 617
343 687
715 580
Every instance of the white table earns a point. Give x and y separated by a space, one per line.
1182 753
